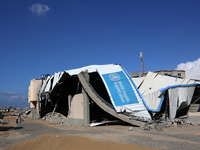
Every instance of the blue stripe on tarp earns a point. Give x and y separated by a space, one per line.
179 85
120 88
138 91
172 86
160 105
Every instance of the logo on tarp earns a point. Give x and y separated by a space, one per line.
114 77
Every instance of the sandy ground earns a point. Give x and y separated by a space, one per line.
64 142
59 141
41 135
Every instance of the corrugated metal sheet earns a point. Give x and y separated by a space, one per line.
48 85
150 88
57 76
138 81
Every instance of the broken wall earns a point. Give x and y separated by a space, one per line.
33 92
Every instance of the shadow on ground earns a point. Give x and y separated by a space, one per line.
10 128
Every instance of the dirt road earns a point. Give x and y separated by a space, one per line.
36 134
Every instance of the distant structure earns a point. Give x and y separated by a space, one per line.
143 68
175 73
143 71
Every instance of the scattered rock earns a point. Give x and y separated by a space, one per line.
131 128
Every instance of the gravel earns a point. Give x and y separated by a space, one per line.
184 137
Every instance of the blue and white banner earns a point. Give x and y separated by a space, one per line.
123 94
120 88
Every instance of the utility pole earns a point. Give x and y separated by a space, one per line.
142 66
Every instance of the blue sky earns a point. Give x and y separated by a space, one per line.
45 36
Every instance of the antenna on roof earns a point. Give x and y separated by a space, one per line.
142 66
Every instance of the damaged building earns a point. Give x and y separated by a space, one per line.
102 93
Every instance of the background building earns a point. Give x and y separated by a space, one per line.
175 73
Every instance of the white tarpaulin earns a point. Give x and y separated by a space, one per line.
153 87
179 97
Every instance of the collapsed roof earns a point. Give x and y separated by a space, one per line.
112 89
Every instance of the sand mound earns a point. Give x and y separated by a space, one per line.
64 142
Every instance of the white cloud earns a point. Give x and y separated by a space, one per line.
192 69
14 99
8 93
39 9
12 96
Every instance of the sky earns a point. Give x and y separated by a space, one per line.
46 36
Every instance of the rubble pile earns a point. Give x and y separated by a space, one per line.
167 124
3 122
55 118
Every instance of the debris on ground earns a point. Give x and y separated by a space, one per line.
167 124
3 122
56 118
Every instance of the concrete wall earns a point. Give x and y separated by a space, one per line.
33 114
76 107
33 104
78 110
33 92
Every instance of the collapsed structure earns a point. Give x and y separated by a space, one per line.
99 93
